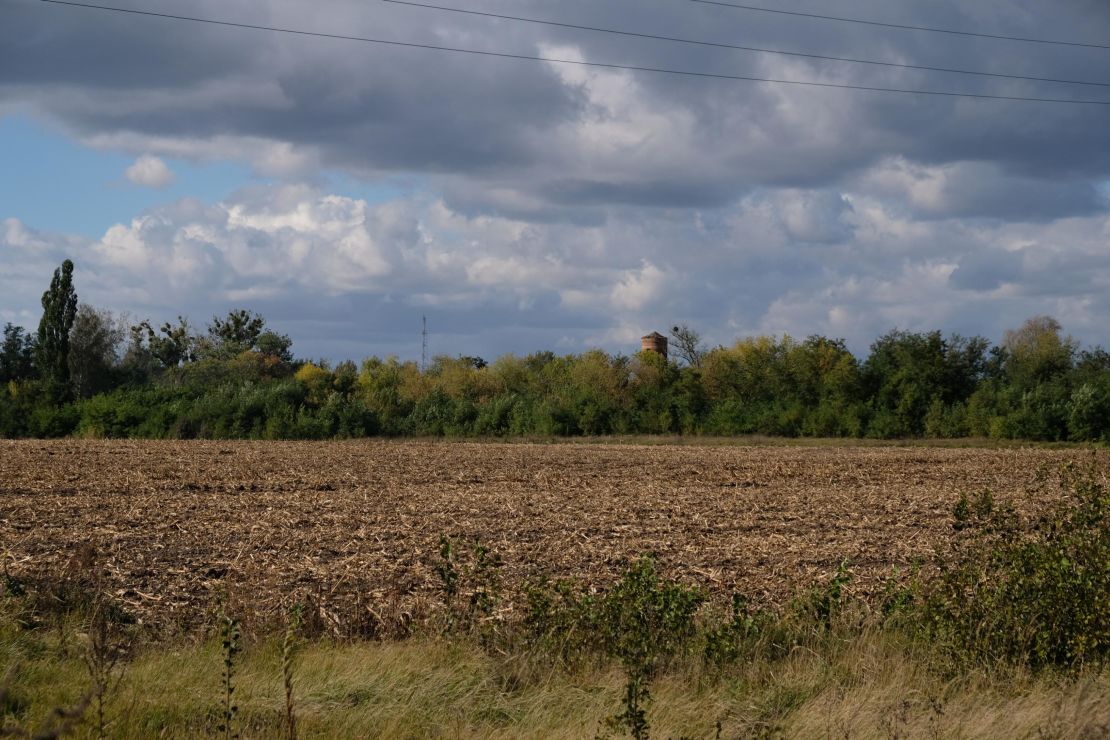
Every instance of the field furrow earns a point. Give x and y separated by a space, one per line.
355 526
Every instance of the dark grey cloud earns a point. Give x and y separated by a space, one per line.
987 269
976 189
1018 198
561 134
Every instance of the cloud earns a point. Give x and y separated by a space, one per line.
638 288
560 205
254 245
988 269
552 141
349 278
981 190
150 172
814 216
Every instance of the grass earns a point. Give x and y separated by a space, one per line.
759 440
868 686
762 440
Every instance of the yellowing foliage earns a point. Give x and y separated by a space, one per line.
316 379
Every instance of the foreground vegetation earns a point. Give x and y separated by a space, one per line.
1006 635
86 372
866 686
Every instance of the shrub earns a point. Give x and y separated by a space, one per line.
1040 414
833 419
316 381
470 582
1089 414
730 417
12 417
642 620
725 643
50 421
887 424
495 417
1028 592
551 417
148 412
946 421
433 414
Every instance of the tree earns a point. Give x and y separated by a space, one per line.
477 363
906 372
1038 362
59 310
275 345
1038 352
171 345
687 345
821 369
94 344
237 333
150 352
241 331
16 354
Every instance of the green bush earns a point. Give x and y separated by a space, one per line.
833 419
145 413
1033 592
12 417
642 621
346 418
1089 413
551 417
433 414
49 421
727 642
946 421
495 417
1039 414
253 410
730 417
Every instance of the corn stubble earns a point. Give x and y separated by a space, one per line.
353 530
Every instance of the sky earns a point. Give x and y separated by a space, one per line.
346 189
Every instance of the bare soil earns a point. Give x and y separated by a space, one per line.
354 527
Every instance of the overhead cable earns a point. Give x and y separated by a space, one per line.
579 62
738 47
903 26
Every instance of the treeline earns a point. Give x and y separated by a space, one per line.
86 372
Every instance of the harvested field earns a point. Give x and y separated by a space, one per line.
355 526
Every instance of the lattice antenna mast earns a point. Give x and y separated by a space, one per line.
423 343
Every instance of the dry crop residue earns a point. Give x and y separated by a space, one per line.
355 526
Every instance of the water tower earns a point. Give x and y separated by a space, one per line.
654 342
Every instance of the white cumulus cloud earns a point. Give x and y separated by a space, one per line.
150 172
346 277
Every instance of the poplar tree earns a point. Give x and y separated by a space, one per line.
59 310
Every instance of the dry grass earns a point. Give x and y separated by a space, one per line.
869 687
353 528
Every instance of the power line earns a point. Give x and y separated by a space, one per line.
902 26
738 47
579 62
